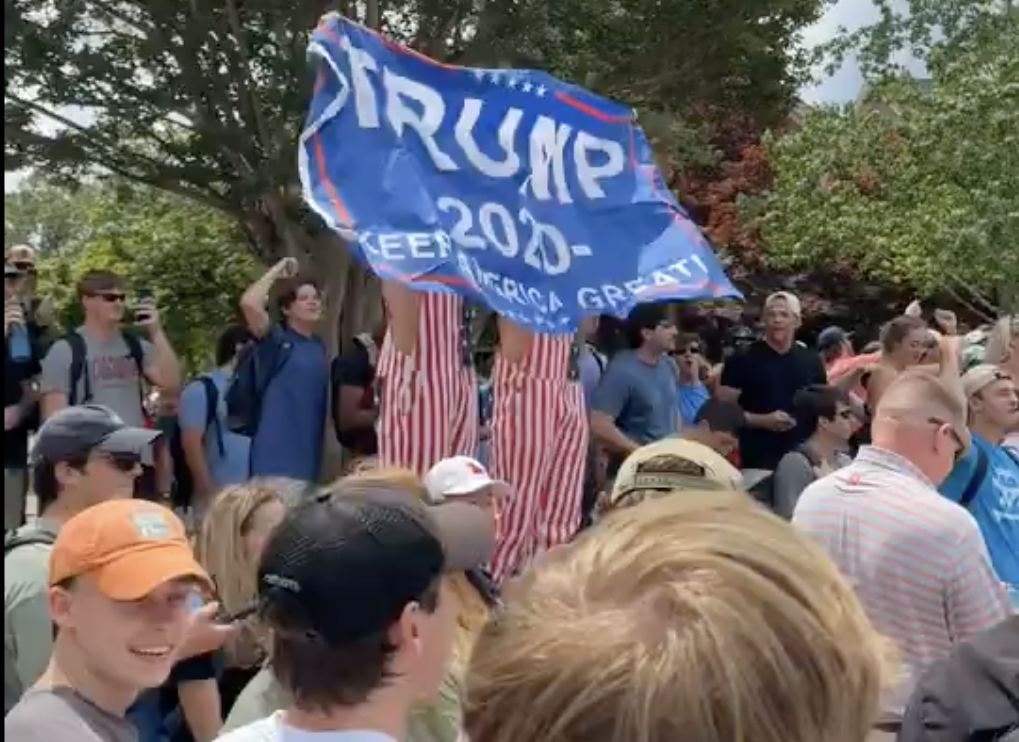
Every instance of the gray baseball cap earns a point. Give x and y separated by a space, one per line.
77 431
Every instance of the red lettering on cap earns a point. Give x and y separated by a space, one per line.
476 468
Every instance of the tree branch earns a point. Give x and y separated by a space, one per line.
959 298
373 14
248 100
112 154
975 294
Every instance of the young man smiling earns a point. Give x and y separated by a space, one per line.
82 456
120 576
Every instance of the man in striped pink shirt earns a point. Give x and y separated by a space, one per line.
917 560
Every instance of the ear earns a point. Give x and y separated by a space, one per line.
64 473
60 607
405 633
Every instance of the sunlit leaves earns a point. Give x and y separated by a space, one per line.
919 181
189 257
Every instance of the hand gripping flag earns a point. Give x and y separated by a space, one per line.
533 196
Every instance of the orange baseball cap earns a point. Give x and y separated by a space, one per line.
128 547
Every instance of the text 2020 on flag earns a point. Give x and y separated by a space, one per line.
534 196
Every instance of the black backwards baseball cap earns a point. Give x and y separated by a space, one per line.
831 337
341 567
76 431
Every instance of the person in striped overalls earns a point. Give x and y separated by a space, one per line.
539 442
428 402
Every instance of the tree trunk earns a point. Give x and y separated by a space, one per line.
353 304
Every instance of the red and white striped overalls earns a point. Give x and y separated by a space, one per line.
428 400
539 446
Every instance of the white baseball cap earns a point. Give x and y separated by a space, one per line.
458 476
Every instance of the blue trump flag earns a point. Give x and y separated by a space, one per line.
536 197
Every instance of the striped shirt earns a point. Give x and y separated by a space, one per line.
916 559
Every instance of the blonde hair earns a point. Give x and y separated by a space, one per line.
472 612
702 618
221 549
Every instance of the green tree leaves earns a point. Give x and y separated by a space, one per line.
918 182
189 257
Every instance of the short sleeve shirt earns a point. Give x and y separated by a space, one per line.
61 714
768 381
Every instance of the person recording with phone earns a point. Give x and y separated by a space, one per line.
39 310
21 366
101 363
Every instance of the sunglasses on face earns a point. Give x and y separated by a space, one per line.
691 350
960 447
111 297
125 462
24 267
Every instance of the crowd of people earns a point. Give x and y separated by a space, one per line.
560 543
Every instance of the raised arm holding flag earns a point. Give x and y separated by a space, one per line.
506 187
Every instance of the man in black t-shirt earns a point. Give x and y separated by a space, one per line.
765 378
355 408
21 365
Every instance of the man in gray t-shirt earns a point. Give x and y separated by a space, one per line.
114 369
113 375
636 400
110 375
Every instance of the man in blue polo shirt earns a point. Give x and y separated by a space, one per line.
986 480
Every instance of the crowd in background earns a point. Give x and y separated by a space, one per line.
827 535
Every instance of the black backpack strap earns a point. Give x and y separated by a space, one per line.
78 371
137 353
979 474
212 411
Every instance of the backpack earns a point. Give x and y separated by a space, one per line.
17 539
257 366
184 483
79 368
